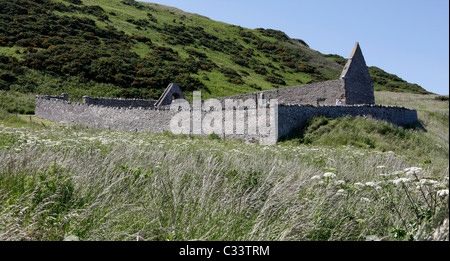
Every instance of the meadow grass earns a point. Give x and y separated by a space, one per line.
74 183
433 114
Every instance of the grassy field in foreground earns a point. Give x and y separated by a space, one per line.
62 182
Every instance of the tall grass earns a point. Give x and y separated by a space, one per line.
75 183
433 114
362 132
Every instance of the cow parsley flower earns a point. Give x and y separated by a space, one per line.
359 185
341 192
429 182
442 193
413 173
372 238
414 169
329 175
371 184
366 200
340 182
374 185
401 180
316 177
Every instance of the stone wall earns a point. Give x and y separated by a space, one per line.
63 97
116 118
295 116
315 94
122 103
156 120
285 119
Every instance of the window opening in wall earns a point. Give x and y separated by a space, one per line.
175 96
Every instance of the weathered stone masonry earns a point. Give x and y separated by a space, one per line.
98 116
294 116
121 103
296 106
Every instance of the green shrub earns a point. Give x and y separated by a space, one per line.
275 80
213 136
441 98
260 70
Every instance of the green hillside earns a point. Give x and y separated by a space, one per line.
129 49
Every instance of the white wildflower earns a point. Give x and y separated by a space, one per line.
381 167
372 238
415 169
413 173
425 182
71 238
371 184
401 180
329 175
359 185
340 182
438 185
316 177
442 193
366 200
341 192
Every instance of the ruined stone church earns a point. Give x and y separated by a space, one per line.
350 95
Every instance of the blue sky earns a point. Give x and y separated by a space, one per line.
409 38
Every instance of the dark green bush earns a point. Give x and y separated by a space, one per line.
260 70
441 98
275 80
274 33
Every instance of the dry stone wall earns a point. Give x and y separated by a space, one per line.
122 103
316 94
116 118
158 119
295 116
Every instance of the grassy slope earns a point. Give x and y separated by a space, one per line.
217 84
433 113
426 143
236 40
